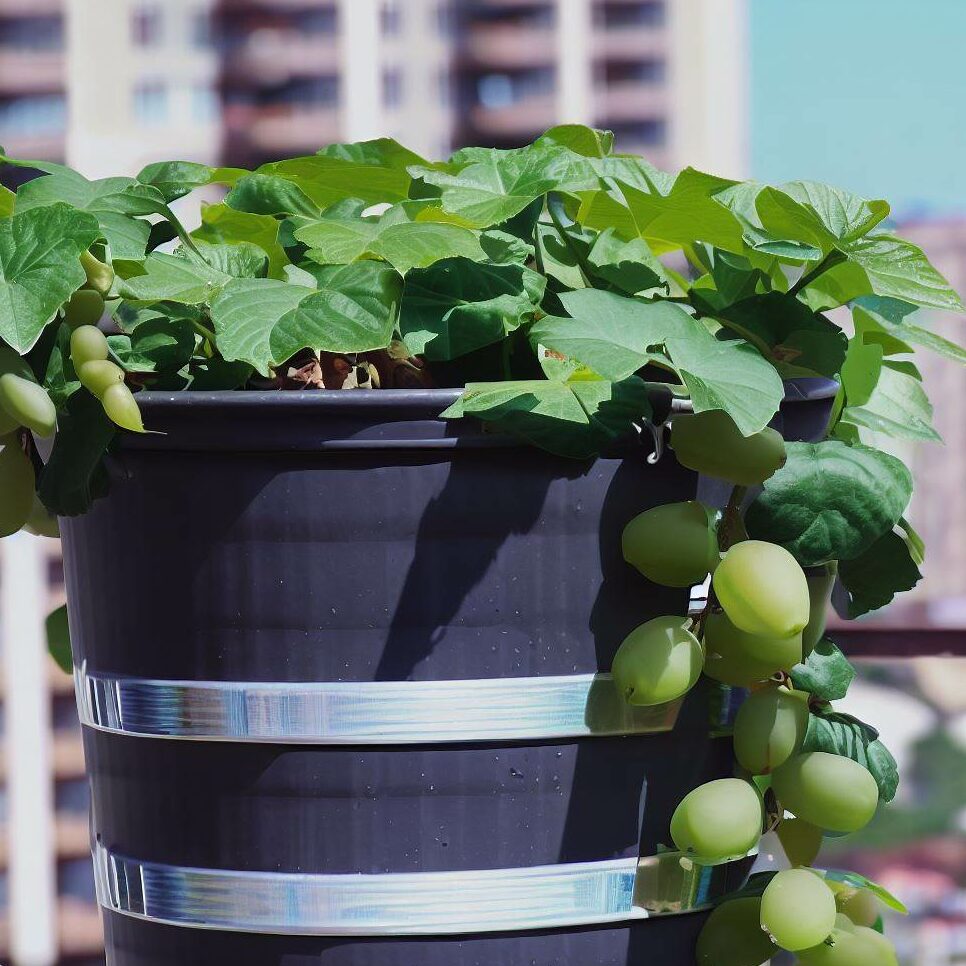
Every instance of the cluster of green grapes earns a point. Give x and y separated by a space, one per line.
26 405
764 616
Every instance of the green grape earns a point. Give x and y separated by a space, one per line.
797 909
711 443
819 597
860 905
28 404
122 408
16 486
730 658
875 940
762 589
801 841
674 544
88 343
41 522
718 821
769 728
848 948
658 662
830 791
98 375
100 277
84 308
733 936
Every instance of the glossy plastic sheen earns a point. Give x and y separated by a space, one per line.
356 537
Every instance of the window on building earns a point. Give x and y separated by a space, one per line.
151 102
202 28
204 103
32 33
391 17
503 90
615 16
651 71
33 114
319 21
392 87
303 92
445 17
633 134
147 25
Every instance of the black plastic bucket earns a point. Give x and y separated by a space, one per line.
285 539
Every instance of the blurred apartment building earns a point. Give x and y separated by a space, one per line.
109 84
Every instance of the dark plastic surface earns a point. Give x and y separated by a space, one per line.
251 543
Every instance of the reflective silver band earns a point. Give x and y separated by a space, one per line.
380 712
421 903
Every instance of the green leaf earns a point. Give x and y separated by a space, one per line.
40 268
917 546
729 375
354 310
457 305
74 475
899 269
263 321
586 141
752 889
156 345
627 266
797 340
861 370
58 639
262 194
116 203
572 419
497 185
611 333
889 316
60 380
861 882
841 734
563 252
175 179
873 578
830 501
8 200
380 153
406 245
221 225
898 406
683 214
171 278
826 673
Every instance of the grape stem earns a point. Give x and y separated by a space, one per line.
731 530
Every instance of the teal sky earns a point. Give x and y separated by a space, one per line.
865 94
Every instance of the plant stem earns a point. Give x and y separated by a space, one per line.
731 524
186 239
833 258
204 331
582 262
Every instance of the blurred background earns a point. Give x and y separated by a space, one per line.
866 94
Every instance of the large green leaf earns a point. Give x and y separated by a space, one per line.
830 501
890 316
574 419
40 268
379 152
874 577
796 339
175 179
457 305
339 239
497 185
263 321
172 278
354 310
898 406
221 225
626 266
684 213
611 333
586 141
160 344
116 203
262 194
730 375
899 269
